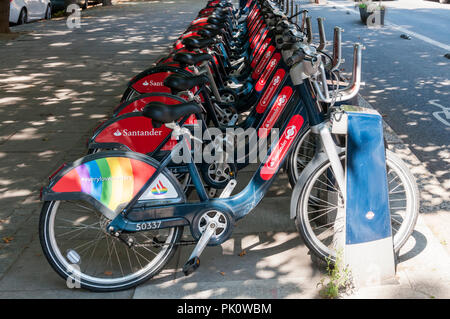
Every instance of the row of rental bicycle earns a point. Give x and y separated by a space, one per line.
236 79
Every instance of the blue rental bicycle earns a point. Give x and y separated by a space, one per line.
112 220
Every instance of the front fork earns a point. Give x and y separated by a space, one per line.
329 147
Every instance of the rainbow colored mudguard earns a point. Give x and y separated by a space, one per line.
109 180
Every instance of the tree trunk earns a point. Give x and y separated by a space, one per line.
105 2
4 16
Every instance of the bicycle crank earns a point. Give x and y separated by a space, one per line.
215 227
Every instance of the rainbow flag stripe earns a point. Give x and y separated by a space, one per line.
112 180
159 189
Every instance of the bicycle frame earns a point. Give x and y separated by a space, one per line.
239 205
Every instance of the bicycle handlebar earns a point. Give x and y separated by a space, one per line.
351 90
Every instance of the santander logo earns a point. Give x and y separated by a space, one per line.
272 164
282 99
281 148
152 83
276 110
291 131
276 80
126 132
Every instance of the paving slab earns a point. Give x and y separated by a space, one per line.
255 265
286 288
422 272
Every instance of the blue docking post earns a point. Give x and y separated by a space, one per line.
368 247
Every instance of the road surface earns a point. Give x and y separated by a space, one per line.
408 81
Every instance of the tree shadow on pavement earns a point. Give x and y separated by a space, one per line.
56 85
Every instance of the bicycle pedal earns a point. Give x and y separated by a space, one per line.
191 265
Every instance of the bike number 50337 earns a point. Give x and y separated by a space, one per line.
148 225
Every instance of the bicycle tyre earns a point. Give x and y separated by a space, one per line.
300 202
59 260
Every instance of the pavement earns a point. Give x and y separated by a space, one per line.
49 104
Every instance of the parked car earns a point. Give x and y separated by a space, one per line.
23 11
58 5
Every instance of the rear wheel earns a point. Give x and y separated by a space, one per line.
23 17
129 94
316 206
48 13
75 241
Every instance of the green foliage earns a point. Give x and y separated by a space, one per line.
339 278
371 6
58 14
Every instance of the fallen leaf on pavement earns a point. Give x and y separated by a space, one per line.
7 240
242 253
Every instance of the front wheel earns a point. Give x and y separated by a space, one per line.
76 244
303 152
316 205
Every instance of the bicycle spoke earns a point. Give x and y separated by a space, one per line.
327 224
118 259
322 215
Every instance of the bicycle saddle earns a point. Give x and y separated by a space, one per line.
212 27
224 5
191 59
205 33
216 20
222 11
183 83
197 43
281 27
161 113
